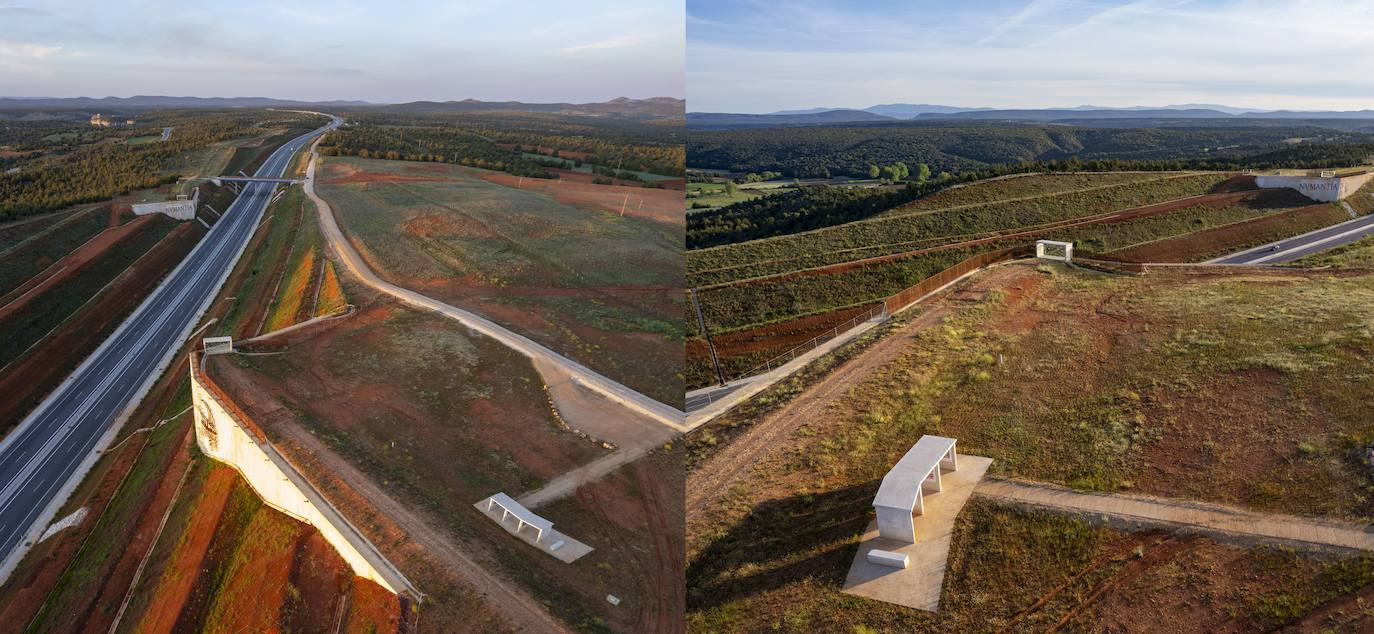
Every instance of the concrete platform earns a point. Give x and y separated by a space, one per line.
918 586
571 550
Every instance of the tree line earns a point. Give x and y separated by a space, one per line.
853 150
64 174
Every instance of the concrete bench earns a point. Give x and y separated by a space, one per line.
523 516
888 558
902 493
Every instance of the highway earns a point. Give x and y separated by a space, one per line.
1294 248
47 455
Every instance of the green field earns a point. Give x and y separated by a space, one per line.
897 233
1011 188
712 195
598 287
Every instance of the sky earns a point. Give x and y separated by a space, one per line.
754 56
380 51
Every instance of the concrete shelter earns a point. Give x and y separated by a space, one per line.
902 494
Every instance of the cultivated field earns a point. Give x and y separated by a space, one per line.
1244 389
596 286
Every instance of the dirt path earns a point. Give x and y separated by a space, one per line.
1209 519
509 600
713 478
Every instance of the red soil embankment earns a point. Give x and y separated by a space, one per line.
58 354
70 265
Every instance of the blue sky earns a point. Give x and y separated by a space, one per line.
755 56
590 50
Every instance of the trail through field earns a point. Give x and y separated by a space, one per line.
714 478
1206 518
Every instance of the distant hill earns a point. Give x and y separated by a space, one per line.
144 102
623 106
1059 114
1303 114
722 120
913 110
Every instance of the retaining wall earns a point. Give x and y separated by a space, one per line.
226 434
1317 188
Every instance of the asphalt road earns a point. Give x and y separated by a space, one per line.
1297 247
698 399
51 449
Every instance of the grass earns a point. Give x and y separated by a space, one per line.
598 287
765 302
103 546
1176 405
1234 389
22 261
275 236
1357 254
331 292
293 290
712 195
1008 189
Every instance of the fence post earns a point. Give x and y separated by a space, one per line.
705 334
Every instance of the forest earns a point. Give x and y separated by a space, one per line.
849 150
71 163
817 206
647 146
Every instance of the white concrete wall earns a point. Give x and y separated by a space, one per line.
1317 188
179 209
282 487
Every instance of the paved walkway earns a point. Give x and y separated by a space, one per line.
1200 517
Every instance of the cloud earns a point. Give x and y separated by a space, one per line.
1252 53
10 48
621 41
10 10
